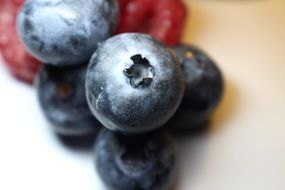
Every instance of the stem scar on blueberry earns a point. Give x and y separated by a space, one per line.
141 72
189 55
64 90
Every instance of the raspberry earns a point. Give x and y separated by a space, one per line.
168 21
19 62
133 14
163 19
16 58
17 3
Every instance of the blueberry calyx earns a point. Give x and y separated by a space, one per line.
64 90
141 73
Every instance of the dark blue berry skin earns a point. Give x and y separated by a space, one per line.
146 162
66 32
203 92
134 84
61 95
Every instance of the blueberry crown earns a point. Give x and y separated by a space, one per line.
141 72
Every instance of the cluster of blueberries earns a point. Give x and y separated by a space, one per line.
130 87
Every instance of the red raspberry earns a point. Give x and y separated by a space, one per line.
17 3
17 59
20 63
133 14
168 21
163 19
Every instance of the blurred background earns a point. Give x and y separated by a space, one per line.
245 146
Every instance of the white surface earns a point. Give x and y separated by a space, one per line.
245 149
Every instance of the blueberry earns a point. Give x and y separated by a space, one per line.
146 162
204 88
61 94
66 32
134 84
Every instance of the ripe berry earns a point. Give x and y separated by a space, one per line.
134 84
163 19
168 21
63 32
134 14
17 59
204 88
61 94
145 162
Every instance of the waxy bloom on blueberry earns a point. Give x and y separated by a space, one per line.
66 32
61 94
143 162
134 84
203 91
